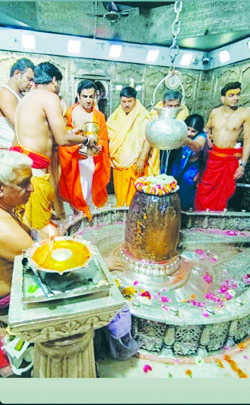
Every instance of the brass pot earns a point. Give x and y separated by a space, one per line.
91 129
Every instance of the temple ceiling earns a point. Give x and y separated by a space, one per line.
205 24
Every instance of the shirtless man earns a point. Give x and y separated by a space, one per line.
15 188
224 126
39 122
20 81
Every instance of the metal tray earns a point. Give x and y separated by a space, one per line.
89 280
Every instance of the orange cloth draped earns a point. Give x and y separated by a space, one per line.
124 185
126 140
217 184
70 184
39 161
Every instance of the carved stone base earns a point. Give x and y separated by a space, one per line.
72 357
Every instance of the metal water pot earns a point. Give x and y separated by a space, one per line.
91 129
166 132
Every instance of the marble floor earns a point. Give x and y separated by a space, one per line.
195 368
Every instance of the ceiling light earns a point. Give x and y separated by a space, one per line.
248 44
186 59
74 46
28 41
224 56
152 55
115 51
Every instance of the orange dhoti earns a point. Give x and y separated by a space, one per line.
218 184
124 185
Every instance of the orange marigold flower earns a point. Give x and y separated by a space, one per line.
234 367
188 372
241 374
220 364
227 357
129 290
241 345
192 296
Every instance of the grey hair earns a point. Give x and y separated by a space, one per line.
10 162
172 95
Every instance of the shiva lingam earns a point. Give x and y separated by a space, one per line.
152 232
166 132
91 129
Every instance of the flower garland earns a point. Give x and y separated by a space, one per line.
156 185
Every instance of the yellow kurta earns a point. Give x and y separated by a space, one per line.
126 139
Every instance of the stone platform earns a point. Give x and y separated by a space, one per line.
207 312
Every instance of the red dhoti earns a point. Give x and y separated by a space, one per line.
39 161
218 184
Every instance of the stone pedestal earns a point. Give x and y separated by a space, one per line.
72 357
62 330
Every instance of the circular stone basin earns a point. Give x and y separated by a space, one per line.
208 310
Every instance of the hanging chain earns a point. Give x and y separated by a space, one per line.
174 48
173 51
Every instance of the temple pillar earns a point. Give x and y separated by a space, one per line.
65 358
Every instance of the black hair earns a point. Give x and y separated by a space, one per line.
45 72
128 92
230 86
172 95
195 121
22 65
85 84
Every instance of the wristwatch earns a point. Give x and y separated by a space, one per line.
86 142
243 164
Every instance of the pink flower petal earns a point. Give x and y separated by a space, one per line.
147 368
208 278
231 233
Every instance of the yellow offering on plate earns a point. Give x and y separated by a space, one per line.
61 255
